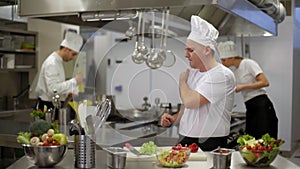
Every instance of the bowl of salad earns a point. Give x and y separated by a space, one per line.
172 157
259 152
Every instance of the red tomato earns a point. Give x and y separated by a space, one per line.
46 143
270 148
262 148
193 147
257 155
50 139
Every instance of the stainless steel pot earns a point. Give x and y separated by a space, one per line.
116 157
222 158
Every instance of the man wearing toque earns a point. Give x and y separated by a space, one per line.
206 91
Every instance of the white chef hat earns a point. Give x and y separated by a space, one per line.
203 32
227 49
72 41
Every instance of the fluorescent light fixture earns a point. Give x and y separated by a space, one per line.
108 15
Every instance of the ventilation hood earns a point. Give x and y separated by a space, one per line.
230 17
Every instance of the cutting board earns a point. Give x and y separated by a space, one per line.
199 156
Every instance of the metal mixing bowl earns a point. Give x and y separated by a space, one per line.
45 156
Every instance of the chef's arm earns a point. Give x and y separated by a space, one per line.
79 78
54 83
191 99
168 119
261 81
178 115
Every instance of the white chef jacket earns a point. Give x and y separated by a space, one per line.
52 77
217 85
246 73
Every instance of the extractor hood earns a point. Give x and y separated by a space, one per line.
230 17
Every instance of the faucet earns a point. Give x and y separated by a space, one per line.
146 105
56 103
16 102
18 96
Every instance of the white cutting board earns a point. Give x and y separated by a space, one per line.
199 156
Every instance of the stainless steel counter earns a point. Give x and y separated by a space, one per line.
236 163
8 132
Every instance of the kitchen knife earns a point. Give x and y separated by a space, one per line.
133 150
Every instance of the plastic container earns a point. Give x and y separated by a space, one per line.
84 152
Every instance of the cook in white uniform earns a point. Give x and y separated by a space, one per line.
52 75
206 91
251 82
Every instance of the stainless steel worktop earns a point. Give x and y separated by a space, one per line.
9 130
236 163
111 135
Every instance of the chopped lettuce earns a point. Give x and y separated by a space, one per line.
246 140
148 148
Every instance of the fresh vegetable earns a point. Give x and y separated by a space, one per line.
42 133
39 127
61 138
50 132
193 147
148 148
173 158
35 141
24 137
37 113
259 152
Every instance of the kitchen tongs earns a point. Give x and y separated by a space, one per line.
95 121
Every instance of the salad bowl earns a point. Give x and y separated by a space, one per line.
168 157
258 158
259 152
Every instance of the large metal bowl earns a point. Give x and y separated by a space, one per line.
140 115
45 156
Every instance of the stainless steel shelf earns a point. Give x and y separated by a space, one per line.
17 51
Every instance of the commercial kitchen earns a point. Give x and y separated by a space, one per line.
264 30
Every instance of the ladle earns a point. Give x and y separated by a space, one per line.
168 55
143 48
154 61
163 42
136 57
131 30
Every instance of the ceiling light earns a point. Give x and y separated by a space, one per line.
108 15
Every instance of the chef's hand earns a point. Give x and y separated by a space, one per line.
184 76
71 95
238 88
79 78
166 120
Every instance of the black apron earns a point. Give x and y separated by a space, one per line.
261 117
206 144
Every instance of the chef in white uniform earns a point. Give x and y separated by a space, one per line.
206 91
261 117
52 76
